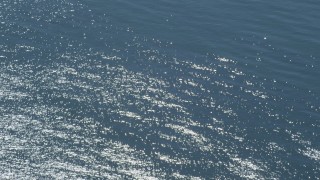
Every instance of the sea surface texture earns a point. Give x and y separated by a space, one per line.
159 89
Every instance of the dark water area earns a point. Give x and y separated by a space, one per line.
122 89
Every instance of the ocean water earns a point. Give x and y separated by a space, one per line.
209 89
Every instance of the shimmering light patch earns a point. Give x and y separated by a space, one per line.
246 169
312 153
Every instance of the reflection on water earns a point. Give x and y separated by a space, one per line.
84 97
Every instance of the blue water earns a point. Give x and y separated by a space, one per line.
145 89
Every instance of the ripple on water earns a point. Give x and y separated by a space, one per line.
92 100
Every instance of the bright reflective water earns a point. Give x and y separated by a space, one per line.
159 89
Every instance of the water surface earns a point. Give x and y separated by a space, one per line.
159 89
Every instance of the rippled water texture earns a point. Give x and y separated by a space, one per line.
159 89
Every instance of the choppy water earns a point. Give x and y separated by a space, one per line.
159 89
